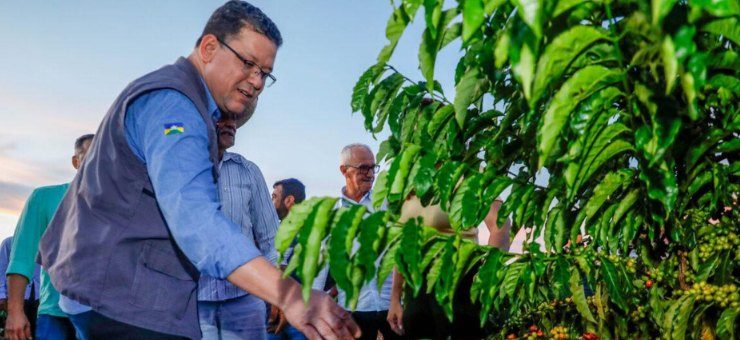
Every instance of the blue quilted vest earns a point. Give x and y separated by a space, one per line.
108 246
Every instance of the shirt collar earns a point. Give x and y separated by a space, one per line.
230 156
212 107
364 200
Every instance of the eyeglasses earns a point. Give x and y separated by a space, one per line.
249 65
366 168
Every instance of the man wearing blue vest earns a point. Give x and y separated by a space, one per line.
142 219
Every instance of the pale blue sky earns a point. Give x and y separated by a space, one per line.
64 62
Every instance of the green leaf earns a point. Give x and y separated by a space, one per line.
432 14
495 187
372 230
318 228
579 296
670 63
447 178
472 18
681 319
718 8
625 204
468 90
461 257
424 179
606 187
613 284
399 171
394 29
501 53
408 257
362 87
565 5
427 58
431 253
293 223
561 278
379 97
466 204
561 52
555 230
450 34
388 262
726 323
444 257
661 8
531 13
580 86
439 119
380 189
346 219
604 147
522 65
441 291
511 280
726 27
720 81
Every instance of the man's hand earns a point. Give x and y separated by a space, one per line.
395 311
321 317
395 317
17 326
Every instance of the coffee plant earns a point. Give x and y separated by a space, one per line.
612 124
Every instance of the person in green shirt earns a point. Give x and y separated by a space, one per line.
51 322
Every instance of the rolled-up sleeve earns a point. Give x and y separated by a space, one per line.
181 172
28 231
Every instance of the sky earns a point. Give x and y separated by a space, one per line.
66 61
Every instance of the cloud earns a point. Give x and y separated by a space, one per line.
12 197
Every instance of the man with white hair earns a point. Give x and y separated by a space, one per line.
359 169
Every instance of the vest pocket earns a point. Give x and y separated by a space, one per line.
160 282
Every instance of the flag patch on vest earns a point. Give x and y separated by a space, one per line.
173 128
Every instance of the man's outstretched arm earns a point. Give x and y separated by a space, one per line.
180 171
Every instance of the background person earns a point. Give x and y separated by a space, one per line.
52 322
357 165
224 310
285 194
31 296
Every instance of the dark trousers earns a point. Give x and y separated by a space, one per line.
423 317
373 322
99 326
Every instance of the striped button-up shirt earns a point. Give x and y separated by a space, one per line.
246 200
370 300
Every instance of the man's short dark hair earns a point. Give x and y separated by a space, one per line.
234 15
292 187
80 141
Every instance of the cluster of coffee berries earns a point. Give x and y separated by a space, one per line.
534 333
630 265
559 333
717 241
590 336
725 295
638 313
656 275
